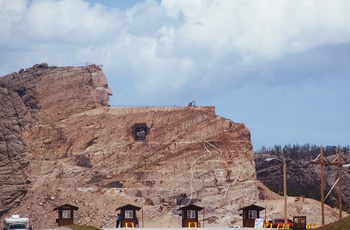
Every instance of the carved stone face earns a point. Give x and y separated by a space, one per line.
140 133
101 86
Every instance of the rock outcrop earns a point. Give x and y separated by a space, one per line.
60 143
39 96
14 119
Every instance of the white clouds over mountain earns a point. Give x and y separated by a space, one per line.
274 65
174 46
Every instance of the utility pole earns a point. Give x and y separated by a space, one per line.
285 192
339 164
284 189
340 168
322 184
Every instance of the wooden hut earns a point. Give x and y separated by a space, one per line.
65 214
299 222
250 213
128 214
189 215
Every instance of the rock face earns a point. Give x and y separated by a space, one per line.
14 119
60 143
40 95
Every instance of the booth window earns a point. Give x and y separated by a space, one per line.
191 214
66 214
129 214
17 226
252 214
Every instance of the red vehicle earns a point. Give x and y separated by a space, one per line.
279 222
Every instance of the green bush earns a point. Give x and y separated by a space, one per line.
343 224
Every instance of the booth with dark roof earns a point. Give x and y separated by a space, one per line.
250 213
65 214
189 215
128 216
299 222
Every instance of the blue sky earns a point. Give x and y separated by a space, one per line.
280 67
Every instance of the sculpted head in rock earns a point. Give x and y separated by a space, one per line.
56 93
101 86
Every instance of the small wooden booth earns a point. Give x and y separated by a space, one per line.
189 215
65 214
250 213
299 222
128 214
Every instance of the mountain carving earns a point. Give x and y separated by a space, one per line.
61 142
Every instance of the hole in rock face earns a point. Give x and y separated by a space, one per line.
140 131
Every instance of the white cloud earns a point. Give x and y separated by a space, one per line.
194 45
69 21
264 28
10 13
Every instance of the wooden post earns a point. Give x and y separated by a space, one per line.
143 224
339 164
340 182
203 219
322 183
285 192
